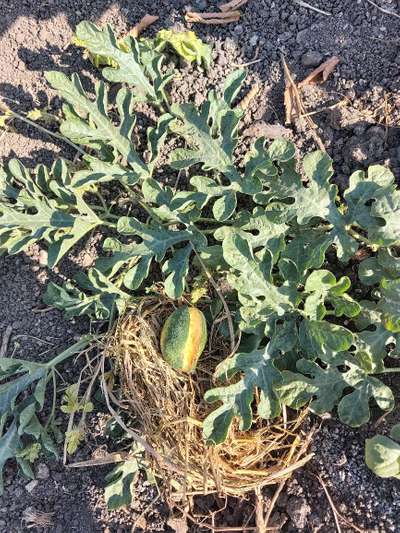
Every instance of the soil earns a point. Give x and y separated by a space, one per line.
363 129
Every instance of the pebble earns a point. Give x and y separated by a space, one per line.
43 258
311 59
42 471
253 40
201 5
31 486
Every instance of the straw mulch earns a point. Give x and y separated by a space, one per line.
166 408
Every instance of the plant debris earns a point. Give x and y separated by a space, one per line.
170 409
249 97
234 4
213 18
321 73
260 128
294 106
144 23
313 8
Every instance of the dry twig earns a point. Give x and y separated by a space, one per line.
143 23
213 18
309 6
260 518
335 512
233 4
33 518
294 105
383 10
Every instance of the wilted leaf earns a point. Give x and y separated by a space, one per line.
187 45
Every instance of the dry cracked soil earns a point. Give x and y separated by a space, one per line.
34 37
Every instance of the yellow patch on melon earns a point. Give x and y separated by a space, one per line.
191 348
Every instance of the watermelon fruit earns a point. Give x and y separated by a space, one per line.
183 338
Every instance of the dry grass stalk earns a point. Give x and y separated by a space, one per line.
213 18
33 518
249 97
313 8
336 515
168 409
233 4
294 106
383 10
143 23
321 73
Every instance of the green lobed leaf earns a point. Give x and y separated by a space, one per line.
382 456
148 82
384 265
258 372
44 206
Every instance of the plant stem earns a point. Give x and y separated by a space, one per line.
148 210
45 130
213 221
393 370
109 224
72 350
105 212
53 404
361 238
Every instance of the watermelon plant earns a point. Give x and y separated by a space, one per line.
311 275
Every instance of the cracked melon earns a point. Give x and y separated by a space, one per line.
183 338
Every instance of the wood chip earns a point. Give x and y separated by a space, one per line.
144 23
269 131
213 18
321 73
234 4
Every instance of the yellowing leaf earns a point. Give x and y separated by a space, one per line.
74 438
187 45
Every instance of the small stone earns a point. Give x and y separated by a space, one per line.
201 5
311 59
31 486
253 40
87 260
43 258
285 36
42 471
239 30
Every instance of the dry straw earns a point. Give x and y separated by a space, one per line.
166 408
